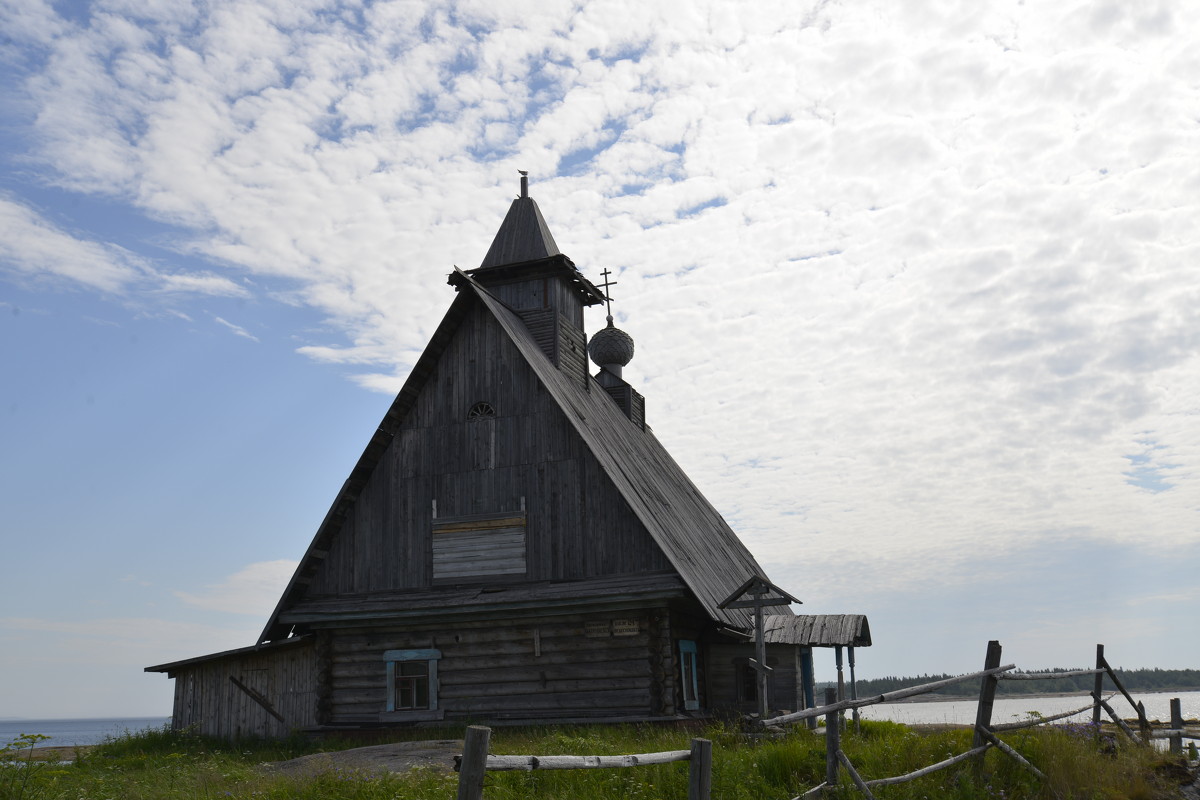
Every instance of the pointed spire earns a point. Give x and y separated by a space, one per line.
523 236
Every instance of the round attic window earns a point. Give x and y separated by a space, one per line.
481 411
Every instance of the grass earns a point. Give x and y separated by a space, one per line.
166 765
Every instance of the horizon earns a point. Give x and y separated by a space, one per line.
913 293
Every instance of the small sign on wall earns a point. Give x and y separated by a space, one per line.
596 630
625 627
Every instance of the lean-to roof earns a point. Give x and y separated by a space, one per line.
817 630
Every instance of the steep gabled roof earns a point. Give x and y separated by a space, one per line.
702 548
697 541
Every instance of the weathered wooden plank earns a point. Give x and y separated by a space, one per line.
537 686
629 698
584 672
497 763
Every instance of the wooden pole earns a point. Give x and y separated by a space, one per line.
1143 723
987 695
1176 724
990 738
1120 722
1098 688
841 686
854 776
810 691
700 770
760 651
473 766
853 688
832 740
1112 673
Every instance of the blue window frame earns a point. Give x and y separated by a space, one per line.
412 683
688 675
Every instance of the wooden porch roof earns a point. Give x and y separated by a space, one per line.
818 630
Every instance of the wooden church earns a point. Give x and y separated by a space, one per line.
514 544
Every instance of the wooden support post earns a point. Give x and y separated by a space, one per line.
760 652
1120 722
473 766
853 689
1143 723
1176 724
991 739
700 770
1112 673
987 695
841 683
832 740
1098 688
810 691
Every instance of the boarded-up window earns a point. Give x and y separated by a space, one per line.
478 547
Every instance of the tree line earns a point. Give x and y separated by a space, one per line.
1135 680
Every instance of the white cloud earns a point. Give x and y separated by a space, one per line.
253 590
33 246
237 330
950 287
206 283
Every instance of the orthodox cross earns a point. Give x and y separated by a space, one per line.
607 297
763 594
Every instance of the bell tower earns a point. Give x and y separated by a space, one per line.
526 271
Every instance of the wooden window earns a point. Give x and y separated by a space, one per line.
412 684
746 679
689 680
479 547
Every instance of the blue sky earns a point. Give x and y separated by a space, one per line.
913 289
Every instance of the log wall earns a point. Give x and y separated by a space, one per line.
579 666
783 685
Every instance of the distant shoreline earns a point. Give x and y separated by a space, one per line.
958 698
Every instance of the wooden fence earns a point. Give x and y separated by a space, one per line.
985 732
475 762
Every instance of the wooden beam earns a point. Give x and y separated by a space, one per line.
258 698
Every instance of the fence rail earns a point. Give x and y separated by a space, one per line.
985 732
476 762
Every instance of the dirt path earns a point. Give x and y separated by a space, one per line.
398 757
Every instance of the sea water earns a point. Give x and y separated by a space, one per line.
71 732
1013 709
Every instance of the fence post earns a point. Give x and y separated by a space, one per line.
1143 723
832 740
1176 724
700 770
474 763
1098 687
987 695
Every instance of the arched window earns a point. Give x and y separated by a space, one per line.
481 410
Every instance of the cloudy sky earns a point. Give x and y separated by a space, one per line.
913 285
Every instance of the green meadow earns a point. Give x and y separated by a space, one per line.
164 765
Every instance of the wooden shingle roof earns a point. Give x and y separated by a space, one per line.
818 630
701 546
523 236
